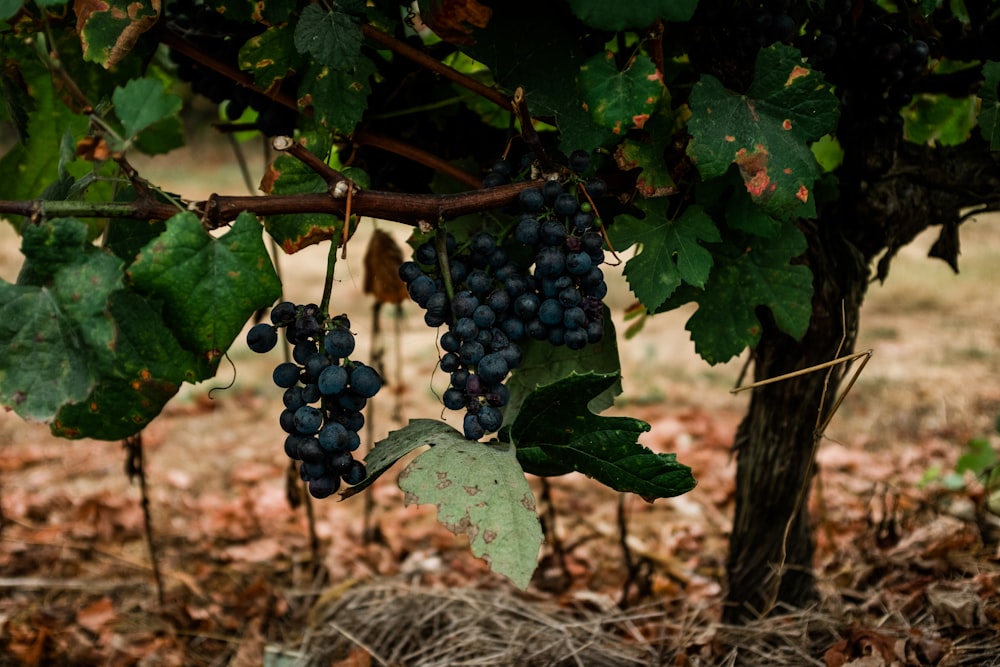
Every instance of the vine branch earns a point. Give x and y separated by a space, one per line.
424 60
219 210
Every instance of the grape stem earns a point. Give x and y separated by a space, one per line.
528 132
441 245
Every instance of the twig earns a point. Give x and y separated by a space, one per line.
308 158
134 467
186 48
424 60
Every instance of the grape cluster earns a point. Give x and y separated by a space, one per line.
222 38
322 438
537 279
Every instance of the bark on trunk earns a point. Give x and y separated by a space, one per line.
771 547
882 208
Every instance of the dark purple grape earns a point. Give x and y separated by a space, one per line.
531 200
286 374
262 337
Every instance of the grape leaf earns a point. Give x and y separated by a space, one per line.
8 8
339 97
147 370
512 48
939 120
141 103
480 490
332 37
631 14
765 132
554 431
288 176
620 101
266 55
56 335
110 28
385 453
670 250
647 154
209 286
989 114
28 167
543 363
726 322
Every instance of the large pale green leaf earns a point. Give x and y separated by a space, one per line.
555 433
765 133
671 251
762 275
631 14
209 286
418 433
480 490
989 114
620 101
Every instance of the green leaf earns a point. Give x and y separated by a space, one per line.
939 120
209 286
288 176
555 430
267 55
480 490
979 456
385 453
543 363
620 101
670 250
989 114
647 154
512 49
56 334
631 14
141 103
339 98
762 275
27 168
148 368
8 8
744 215
332 37
109 29
766 132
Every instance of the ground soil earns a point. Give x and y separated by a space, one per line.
908 565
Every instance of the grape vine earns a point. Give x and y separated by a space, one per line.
739 149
